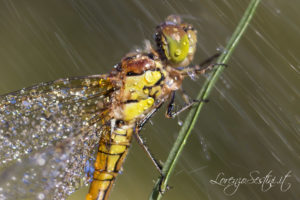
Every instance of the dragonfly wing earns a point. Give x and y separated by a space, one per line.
53 172
47 134
35 117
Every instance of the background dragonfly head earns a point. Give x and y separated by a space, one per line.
176 41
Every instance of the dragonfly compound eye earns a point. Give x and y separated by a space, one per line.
176 42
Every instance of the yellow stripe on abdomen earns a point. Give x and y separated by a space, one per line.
112 151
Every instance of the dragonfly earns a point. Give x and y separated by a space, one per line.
59 135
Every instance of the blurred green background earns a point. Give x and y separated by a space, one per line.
252 119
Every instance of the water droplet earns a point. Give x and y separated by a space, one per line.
150 101
41 196
41 161
192 75
180 122
149 76
12 101
177 52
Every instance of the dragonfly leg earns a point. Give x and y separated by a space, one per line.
198 69
185 96
203 66
170 113
171 105
146 149
185 107
153 159
209 60
148 116
140 140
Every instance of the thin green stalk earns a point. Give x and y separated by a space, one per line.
161 183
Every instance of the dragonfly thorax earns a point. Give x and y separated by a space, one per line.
145 81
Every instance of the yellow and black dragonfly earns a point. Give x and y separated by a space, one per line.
48 132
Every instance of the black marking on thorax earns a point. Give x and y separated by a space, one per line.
131 101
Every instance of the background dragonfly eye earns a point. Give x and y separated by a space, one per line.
176 41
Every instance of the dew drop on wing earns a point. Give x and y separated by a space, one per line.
54 171
46 138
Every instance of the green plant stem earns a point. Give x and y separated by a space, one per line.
161 183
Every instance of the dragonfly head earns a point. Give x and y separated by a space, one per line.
176 41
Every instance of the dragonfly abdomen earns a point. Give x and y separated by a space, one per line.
112 152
